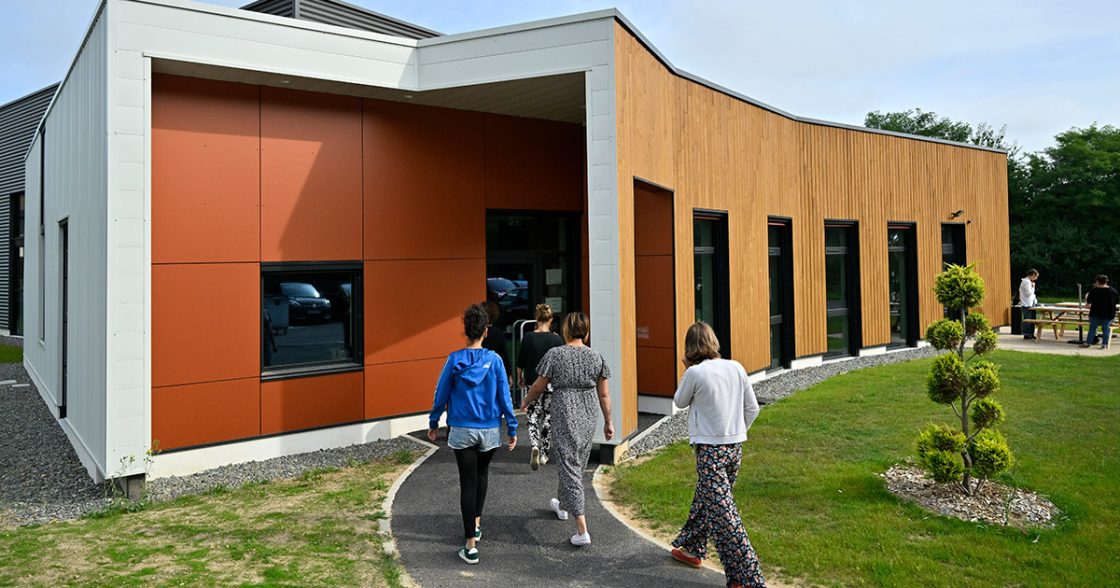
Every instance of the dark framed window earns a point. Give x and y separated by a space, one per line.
710 261
952 248
311 318
779 240
902 279
842 303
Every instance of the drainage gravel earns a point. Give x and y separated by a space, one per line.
773 389
42 480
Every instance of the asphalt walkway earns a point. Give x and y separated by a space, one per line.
523 543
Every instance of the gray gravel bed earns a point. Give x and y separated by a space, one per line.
40 475
42 480
771 390
278 468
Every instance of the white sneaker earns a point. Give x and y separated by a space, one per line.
560 513
584 539
535 458
544 458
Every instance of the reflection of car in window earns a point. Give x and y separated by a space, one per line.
305 303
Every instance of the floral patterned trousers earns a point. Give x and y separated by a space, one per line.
715 515
540 422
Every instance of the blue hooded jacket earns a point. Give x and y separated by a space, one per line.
474 391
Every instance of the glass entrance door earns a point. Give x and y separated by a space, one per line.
902 279
532 258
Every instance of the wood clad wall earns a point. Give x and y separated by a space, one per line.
717 152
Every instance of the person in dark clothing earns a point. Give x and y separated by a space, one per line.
495 339
533 347
1102 300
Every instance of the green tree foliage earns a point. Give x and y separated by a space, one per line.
928 124
977 451
1058 208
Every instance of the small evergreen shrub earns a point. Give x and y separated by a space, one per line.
977 451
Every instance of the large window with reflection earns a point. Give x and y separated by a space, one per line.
902 280
311 318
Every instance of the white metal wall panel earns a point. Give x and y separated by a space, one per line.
243 40
75 182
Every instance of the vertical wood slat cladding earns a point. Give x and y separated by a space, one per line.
717 152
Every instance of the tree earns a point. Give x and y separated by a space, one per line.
929 124
976 452
1075 182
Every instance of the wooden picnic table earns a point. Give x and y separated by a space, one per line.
1060 315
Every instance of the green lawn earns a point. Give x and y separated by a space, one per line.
320 530
816 508
11 353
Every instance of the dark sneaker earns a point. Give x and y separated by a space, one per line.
535 459
685 557
468 555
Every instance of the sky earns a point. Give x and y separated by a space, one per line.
1039 67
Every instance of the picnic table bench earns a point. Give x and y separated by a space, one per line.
1059 316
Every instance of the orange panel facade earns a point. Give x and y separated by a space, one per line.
305 403
533 164
414 308
424 191
205 170
205 323
401 388
311 176
654 291
198 414
274 175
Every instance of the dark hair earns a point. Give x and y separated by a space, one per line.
1102 279
544 313
1032 272
492 311
475 321
700 343
577 326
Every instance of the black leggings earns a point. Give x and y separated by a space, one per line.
474 469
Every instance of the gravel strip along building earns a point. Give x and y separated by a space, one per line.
253 235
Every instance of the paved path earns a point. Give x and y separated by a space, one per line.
523 544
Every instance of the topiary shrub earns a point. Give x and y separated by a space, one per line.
977 451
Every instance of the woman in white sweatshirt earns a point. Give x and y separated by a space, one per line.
722 406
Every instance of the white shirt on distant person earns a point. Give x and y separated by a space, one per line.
1026 293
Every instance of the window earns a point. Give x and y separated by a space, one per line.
713 294
779 236
311 318
841 289
952 248
902 279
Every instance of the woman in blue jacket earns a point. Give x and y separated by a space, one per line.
474 391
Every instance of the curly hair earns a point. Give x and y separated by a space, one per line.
475 321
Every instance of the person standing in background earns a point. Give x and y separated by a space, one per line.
1102 300
1027 302
533 348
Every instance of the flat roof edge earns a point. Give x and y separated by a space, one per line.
621 18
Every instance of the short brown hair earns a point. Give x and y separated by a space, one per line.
1032 272
544 313
577 326
1102 279
700 343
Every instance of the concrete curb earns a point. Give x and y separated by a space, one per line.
385 526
